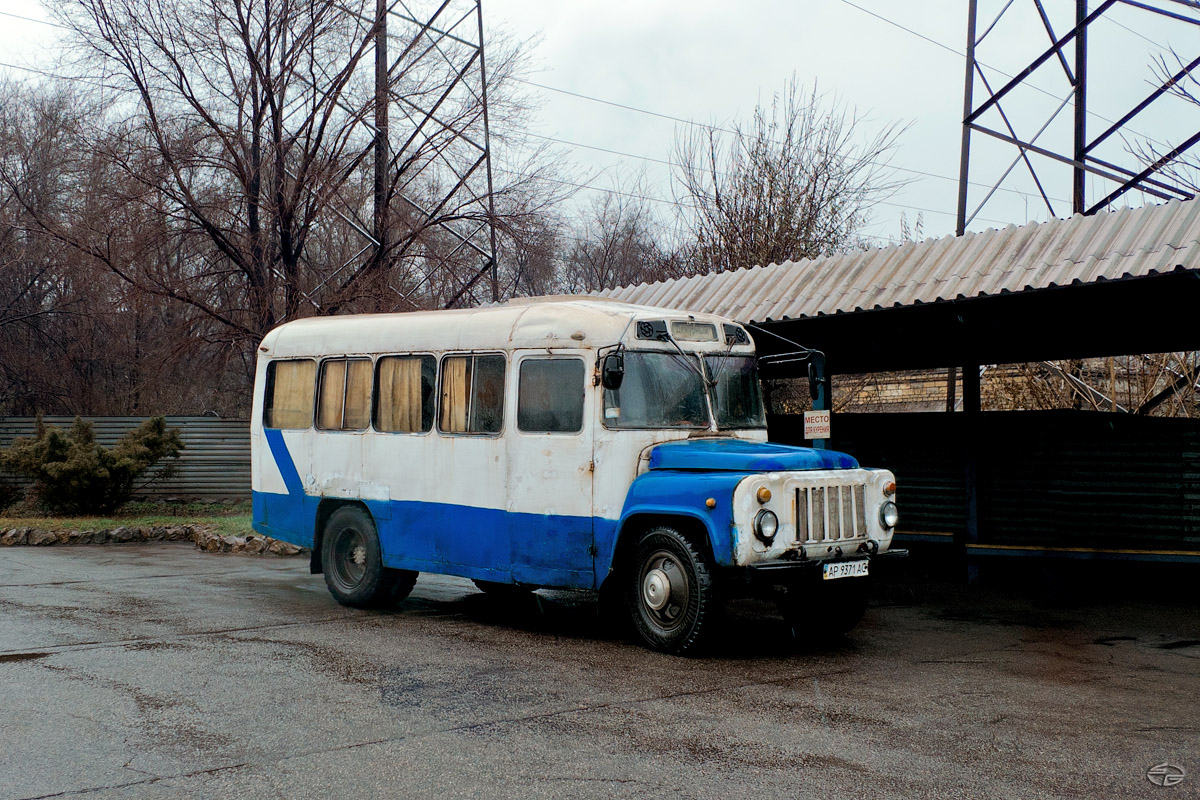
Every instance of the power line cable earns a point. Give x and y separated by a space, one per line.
932 41
64 78
33 19
626 107
558 181
652 159
880 17
1131 30
961 54
576 144
584 186
615 104
582 240
677 204
1136 33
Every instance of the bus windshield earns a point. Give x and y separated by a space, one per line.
736 395
660 390
666 390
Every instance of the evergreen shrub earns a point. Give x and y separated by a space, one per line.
73 474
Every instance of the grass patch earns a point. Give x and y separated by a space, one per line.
228 519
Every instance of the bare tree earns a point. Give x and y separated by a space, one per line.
1159 384
797 182
74 337
618 240
1182 168
221 183
532 255
913 232
237 132
242 129
43 301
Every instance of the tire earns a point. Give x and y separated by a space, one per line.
504 590
670 592
353 563
825 612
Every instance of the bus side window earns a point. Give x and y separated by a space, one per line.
344 400
404 394
288 400
550 395
472 394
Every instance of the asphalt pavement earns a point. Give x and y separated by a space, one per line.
156 671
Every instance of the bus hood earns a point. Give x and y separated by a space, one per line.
736 455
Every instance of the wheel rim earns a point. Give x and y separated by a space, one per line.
349 558
664 590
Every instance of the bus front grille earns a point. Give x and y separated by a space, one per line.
830 514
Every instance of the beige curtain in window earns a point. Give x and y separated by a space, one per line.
291 404
455 384
399 395
357 414
333 388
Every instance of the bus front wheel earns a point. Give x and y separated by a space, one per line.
670 592
353 563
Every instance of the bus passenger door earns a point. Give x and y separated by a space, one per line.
550 471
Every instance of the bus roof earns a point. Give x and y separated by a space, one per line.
559 322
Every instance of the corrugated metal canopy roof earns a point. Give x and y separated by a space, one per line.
1082 250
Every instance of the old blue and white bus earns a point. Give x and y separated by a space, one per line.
565 443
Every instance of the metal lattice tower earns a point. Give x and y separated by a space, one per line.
431 232
1104 166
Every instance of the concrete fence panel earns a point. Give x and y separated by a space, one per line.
215 463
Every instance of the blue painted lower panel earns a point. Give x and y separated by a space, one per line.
488 544
284 516
508 546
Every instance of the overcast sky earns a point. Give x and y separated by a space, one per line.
893 61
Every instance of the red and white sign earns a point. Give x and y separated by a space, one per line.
816 424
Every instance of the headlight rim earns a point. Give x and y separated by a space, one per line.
884 510
760 532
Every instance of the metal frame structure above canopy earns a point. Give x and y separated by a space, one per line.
1094 161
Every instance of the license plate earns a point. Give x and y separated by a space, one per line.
845 569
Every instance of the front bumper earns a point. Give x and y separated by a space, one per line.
788 565
790 571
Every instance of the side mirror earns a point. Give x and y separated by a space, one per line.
816 373
612 371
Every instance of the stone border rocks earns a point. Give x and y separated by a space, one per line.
211 542
205 538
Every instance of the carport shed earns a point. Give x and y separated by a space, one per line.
1069 484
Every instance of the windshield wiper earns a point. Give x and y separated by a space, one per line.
690 361
721 364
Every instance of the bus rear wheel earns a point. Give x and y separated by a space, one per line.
353 563
670 592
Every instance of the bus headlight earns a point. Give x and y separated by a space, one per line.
889 515
766 525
